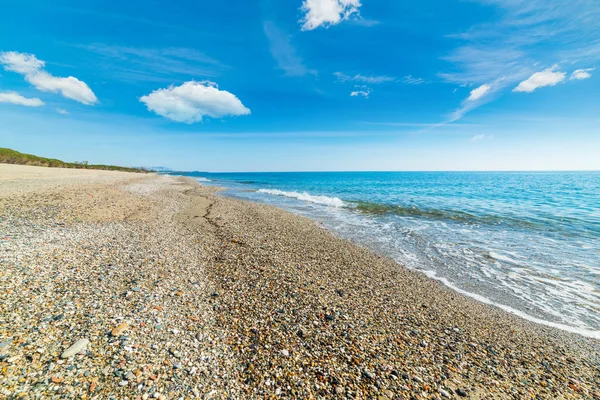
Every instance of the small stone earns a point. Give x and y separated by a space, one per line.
368 375
118 331
285 353
76 348
56 379
329 317
5 343
339 390
461 393
445 394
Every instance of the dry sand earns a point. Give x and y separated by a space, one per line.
182 293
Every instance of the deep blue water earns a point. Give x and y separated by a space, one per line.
526 242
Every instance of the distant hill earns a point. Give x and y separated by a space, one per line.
9 156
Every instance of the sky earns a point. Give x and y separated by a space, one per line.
304 85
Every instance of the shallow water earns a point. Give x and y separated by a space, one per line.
527 242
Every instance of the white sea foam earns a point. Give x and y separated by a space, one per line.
202 179
594 334
324 200
501 257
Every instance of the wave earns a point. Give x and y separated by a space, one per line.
202 179
324 200
449 215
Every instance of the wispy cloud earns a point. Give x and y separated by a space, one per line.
325 13
547 77
363 78
16 98
411 80
152 64
479 138
33 70
477 97
581 74
377 79
477 94
62 111
284 52
526 34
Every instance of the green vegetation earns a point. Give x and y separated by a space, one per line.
9 156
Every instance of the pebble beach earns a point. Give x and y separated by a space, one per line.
117 285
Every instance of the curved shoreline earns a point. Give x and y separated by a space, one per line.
185 293
591 334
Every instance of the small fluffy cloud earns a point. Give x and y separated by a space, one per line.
478 93
581 74
548 77
71 87
21 63
16 98
193 101
32 68
361 91
327 12
62 111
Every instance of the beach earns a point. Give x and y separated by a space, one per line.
170 291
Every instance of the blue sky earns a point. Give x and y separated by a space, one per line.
271 85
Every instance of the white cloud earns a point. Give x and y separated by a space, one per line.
32 68
284 52
581 74
411 80
70 87
478 96
478 93
478 138
62 111
326 13
361 91
364 79
20 62
16 98
524 34
547 77
192 101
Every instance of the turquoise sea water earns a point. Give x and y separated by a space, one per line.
526 242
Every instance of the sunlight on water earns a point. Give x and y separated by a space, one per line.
527 242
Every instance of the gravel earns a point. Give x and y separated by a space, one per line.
182 293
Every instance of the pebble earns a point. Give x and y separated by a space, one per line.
119 330
76 348
6 343
348 323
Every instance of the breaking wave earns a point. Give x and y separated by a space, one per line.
304 196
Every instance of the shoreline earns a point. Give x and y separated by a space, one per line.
252 302
591 334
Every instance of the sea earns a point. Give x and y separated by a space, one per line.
527 242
